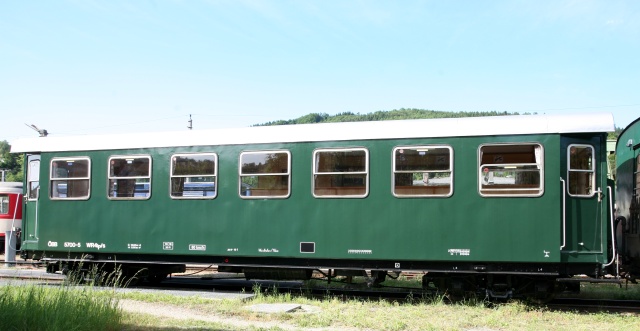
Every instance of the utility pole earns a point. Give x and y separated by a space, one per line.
190 123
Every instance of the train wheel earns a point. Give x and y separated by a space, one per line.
455 289
128 277
544 291
431 284
378 277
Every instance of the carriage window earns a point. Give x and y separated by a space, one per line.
70 178
511 170
265 174
341 173
129 177
4 204
33 178
193 176
582 172
422 171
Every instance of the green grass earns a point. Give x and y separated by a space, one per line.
38 307
63 307
610 291
333 313
69 307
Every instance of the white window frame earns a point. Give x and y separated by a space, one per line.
316 172
394 171
287 173
592 171
308 242
539 156
33 177
53 179
215 176
110 178
5 201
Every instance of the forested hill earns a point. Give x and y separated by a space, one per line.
396 114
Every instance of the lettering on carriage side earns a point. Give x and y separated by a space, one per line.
546 253
96 245
197 247
459 252
72 245
52 244
134 246
268 250
167 245
360 251
232 249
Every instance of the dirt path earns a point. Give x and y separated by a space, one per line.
177 312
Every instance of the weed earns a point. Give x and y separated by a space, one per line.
57 308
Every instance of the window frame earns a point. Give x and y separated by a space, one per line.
496 191
288 174
394 171
315 173
149 177
594 189
5 200
215 176
67 179
33 177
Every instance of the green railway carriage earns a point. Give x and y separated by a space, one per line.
503 204
628 200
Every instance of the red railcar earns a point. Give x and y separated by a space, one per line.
10 211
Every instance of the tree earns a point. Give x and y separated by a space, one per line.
614 135
396 114
11 163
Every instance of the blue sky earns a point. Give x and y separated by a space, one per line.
79 66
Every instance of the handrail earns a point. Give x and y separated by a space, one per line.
564 214
613 231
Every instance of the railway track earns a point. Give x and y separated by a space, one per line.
359 290
207 279
199 278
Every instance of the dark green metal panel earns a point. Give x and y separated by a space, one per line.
627 189
463 227
30 210
586 217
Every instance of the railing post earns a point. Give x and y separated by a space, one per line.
10 248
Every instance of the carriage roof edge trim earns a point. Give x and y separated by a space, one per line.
343 131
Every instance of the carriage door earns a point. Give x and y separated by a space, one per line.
585 200
30 212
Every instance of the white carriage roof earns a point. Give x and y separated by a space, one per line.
425 128
11 187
